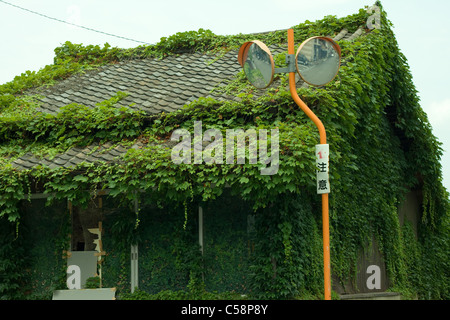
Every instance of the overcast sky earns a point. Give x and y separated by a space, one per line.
421 28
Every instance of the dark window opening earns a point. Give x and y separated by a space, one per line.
84 219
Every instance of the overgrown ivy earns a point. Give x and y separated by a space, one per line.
380 138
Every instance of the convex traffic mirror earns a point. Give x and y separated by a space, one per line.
257 61
317 62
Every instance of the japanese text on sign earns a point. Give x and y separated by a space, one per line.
323 167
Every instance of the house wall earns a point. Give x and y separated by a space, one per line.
43 231
169 245
409 211
228 244
161 239
168 241
369 256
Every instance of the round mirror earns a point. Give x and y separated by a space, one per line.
257 61
318 60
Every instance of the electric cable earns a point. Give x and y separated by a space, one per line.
72 24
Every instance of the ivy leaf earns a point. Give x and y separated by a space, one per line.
80 178
243 180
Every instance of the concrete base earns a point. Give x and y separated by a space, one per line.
85 294
372 296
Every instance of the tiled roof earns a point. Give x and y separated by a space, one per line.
154 86
106 153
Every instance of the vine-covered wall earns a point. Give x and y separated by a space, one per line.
32 263
381 142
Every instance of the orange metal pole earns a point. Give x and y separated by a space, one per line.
323 140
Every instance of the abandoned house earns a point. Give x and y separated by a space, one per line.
87 176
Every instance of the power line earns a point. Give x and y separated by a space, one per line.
69 23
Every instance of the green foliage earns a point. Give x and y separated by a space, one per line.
92 283
12 260
13 188
381 145
74 124
286 263
189 41
31 261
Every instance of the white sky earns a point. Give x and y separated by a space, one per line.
421 28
